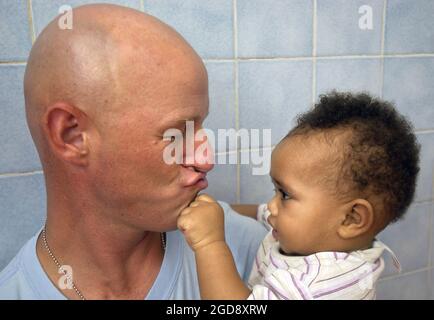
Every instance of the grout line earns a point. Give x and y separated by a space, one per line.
430 238
236 95
235 25
225 153
248 150
410 55
397 276
349 57
20 174
142 5
424 131
307 58
314 40
30 19
378 56
258 149
425 201
383 35
218 60
414 55
20 63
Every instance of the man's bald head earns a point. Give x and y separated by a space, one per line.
99 99
112 53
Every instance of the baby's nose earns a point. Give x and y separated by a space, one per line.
272 207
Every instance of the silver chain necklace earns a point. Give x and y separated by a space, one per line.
59 266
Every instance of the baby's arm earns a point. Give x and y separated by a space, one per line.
202 224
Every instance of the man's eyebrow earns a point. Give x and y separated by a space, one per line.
177 122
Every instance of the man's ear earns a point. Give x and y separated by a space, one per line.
64 126
358 220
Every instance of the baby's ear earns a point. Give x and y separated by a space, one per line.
358 219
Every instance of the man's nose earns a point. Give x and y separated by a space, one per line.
202 157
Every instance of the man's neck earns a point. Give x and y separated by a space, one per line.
109 260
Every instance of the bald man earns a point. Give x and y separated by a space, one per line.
98 99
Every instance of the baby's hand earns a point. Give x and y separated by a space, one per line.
202 222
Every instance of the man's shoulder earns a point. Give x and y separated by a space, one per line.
12 280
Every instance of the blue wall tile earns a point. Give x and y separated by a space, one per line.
221 96
338 28
272 93
410 82
349 74
409 239
22 212
424 190
432 243
15 37
16 146
223 182
44 11
206 25
274 28
256 188
431 285
409 26
407 287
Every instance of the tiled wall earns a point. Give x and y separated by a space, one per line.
267 61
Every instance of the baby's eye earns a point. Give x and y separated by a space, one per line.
285 196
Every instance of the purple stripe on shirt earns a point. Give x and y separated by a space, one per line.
276 262
263 248
364 297
307 269
300 290
342 274
319 268
324 292
276 289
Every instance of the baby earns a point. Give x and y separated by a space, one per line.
346 171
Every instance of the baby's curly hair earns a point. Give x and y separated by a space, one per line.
381 154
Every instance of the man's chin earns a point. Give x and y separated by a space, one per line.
189 199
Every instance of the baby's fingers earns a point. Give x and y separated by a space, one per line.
205 197
183 223
185 211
